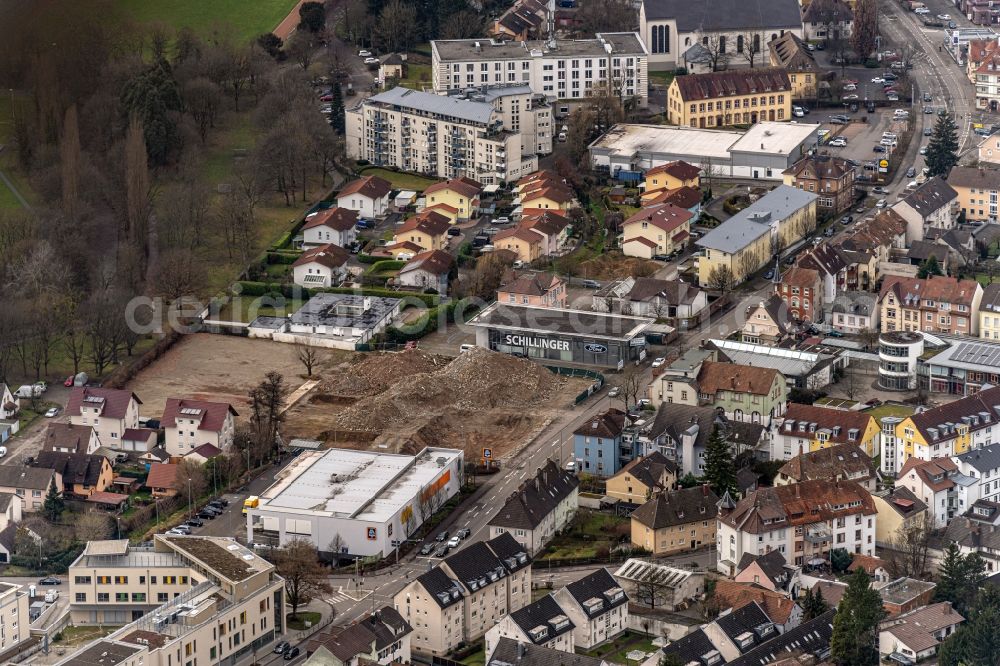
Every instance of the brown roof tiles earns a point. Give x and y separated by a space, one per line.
693 87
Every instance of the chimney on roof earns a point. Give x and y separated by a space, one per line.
704 490
797 493
520 650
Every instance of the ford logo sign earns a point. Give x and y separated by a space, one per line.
595 348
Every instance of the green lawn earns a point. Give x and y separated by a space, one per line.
81 635
661 78
615 651
590 533
299 622
401 180
477 658
888 409
247 309
417 77
244 19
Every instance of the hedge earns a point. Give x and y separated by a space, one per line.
368 259
291 291
285 239
282 257
386 265
429 321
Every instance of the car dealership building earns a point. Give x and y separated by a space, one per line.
561 335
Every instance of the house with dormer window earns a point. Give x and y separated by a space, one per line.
839 462
597 606
543 623
811 428
937 304
188 424
110 412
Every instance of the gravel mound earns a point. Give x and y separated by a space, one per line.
375 373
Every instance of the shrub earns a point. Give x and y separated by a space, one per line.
386 265
282 257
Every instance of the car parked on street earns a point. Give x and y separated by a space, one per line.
291 653
658 361
442 536
463 533
427 549
50 580
282 647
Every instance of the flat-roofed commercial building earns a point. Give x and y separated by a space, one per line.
367 499
231 604
562 335
562 69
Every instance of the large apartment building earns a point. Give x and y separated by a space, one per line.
492 137
978 189
561 69
802 521
734 97
209 599
936 304
466 594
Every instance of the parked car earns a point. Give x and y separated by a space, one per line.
207 515
881 203
69 381
927 97
878 189
195 522
454 542
51 412
220 500
442 536
911 172
928 131
591 284
613 392
463 533
454 231
658 361
282 647
442 551
364 53
829 232
879 149
371 61
503 219
50 580
427 549
291 653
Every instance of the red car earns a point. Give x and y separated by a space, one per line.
69 381
326 98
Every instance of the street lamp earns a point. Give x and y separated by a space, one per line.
189 497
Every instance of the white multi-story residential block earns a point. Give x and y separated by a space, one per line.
492 137
109 411
187 424
597 606
560 69
984 466
802 521
540 508
14 619
542 623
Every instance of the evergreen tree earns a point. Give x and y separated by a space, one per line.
814 605
337 121
720 472
929 267
54 504
977 642
855 626
942 150
959 578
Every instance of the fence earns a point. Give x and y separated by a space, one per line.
580 372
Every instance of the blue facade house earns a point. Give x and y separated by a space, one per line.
597 444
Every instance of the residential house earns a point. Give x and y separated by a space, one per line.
428 229
769 322
458 194
15 618
553 227
539 508
738 632
989 312
670 177
936 304
745 243
545 290
187 424
744 393
542 623
917 634
831 264
987 83
936 482
69 438
368 196
392 66
789 53
852 312
670 27
830 178
733 97
931 205
977 189
782 611
976 54
642 478
110 411
333 226
982 464
922 251
837 462
509 651
382 638
827 19
31 484
545 193
688 198
466 594
524 20
977 531
139 440
898 511
676 521
961 244
82 474
597 443
162 480
10 404
800 290
989 148
802 520
11 511
950 429
202 454
812 428
675 302
769 571
321 266
875 567
154 455
656 231
525 244
427 270
597 606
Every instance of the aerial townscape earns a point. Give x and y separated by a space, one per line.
500 333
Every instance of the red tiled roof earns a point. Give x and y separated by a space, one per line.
867 562
206 451
372 187
939 289
732 83
329 255
798 504
557 193
679 169
667 217
825 417
104 497
682 197
340 219
435 262
737 595
527 235
643 240
800 276
429 222
680 236
403 245
463 186
715 377
927 470
212 414
115 401
162 475
443 206
138 434
529 284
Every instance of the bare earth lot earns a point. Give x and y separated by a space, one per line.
395 401
220 367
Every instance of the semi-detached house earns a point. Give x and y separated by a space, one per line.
542 623
807 428
29 483
656 230
109 411
804 521
597 606
539 508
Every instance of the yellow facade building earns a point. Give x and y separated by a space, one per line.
671 176
642 478
734 97
457 199
428 230
676 521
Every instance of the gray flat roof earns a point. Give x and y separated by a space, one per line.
630 139
464 50
754 221
726 15
579 323
336 310
775 137
442 105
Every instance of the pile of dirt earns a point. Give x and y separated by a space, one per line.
375 373
478 380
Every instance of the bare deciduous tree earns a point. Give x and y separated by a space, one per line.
307 356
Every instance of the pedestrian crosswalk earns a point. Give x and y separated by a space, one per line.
338 598
351 596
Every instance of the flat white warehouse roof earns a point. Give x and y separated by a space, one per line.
774 137
362 485
628 139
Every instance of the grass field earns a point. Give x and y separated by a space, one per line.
245 19
248 309
417 76
889 409
402 181
615 651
